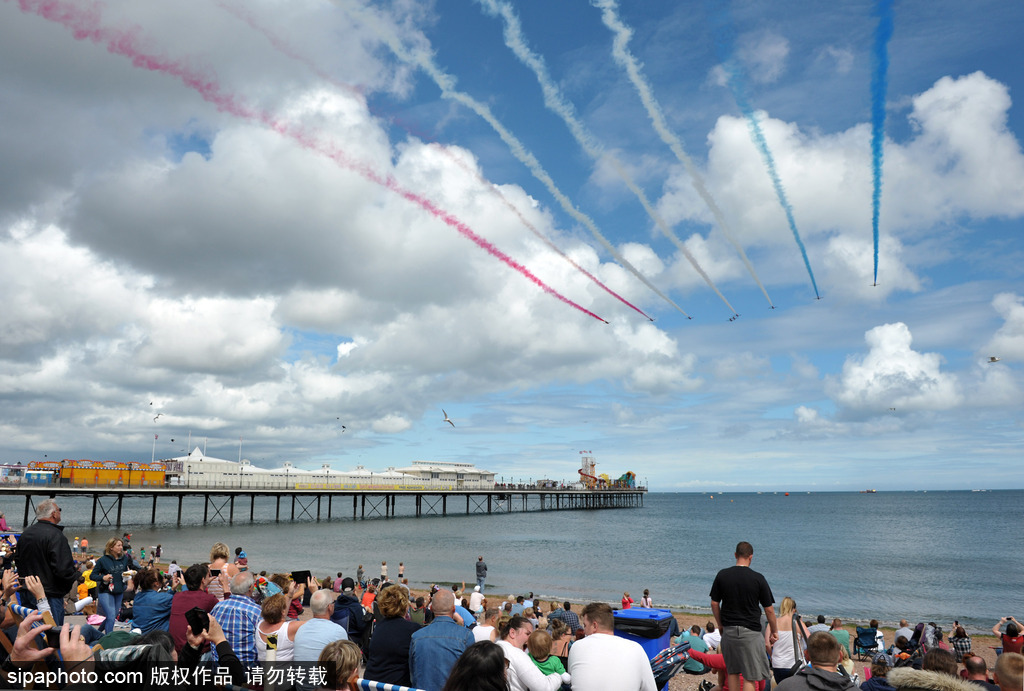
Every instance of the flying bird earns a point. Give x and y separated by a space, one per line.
157 415
342 427
993 360
447 419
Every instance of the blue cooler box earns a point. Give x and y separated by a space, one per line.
648 627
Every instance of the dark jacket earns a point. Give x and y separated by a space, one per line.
481 569
350 604
115 567
44 551
388 651
812 679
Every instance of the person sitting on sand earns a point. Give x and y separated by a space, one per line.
713 638
571 619
960 642
539 645
1013 640
820 625
840 634
823 649
692 666
880 666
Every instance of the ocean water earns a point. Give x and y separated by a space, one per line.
923 556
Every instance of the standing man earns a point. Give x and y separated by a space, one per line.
481 572
737 597
603 660
43 551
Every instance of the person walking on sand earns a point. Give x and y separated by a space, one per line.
481 572
738 595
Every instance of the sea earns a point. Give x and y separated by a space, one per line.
924 556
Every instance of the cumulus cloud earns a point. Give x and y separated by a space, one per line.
1008 341
893 375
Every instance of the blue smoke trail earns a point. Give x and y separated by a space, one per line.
724 43
879 85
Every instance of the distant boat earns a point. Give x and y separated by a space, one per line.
868 491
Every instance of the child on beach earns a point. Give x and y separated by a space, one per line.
627 601
539 644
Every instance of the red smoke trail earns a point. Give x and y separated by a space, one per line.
283 47
85 24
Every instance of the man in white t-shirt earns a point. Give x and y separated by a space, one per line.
713 638
475 598
603 660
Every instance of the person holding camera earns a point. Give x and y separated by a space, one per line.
1013 639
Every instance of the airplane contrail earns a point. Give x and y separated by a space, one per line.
285 48
734 77
879 85
446 83
85 24
558 104
621 54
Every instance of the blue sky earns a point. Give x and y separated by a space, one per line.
165 252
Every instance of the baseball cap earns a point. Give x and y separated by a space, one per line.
347 584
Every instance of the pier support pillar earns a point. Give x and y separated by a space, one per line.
95 500
180 498
120 502
153 519
206 507
252 507
231 511
277 516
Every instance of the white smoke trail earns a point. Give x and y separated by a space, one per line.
620 51
558 104
446 82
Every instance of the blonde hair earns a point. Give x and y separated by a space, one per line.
788 606
345 656
109 548
219 551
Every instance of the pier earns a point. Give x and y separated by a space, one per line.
229 504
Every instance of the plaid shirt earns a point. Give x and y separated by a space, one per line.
239 616
961 646
571 619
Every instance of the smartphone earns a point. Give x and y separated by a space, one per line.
215 572
198 620
301 577
53 638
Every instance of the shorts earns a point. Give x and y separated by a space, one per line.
744 653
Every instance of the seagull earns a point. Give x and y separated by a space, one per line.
993 360
342 427
447 419
892 409
157 415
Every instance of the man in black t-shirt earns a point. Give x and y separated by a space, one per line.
737 597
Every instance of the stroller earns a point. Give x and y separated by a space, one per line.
668 662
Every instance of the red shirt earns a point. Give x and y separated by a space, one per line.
181 603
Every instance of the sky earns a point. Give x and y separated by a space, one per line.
299 231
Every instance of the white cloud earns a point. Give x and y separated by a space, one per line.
893 375
1008 341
